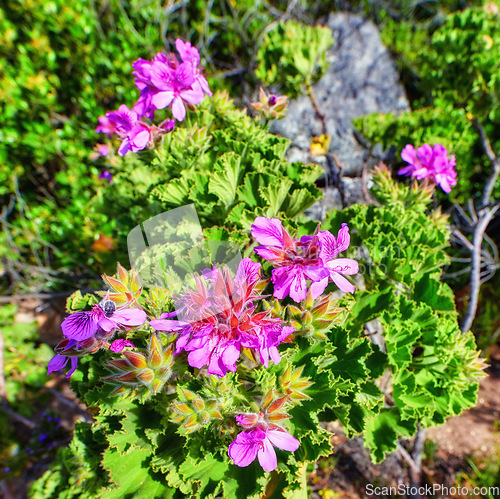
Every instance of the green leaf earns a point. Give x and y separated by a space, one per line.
224 181
382 432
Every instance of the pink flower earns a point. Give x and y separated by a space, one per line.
119 345
310 257
258 442
81 326
175 87
430 163
191 55
165 82
219 318
135 134
337 267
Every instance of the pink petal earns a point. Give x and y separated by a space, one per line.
271 254
247 420
424 154
124 147
283 440
243 450
248 271
230 355
275 355
298 288
314 272
204 85
130 317
267 456
139 138
178 109
168 325
268 232
345 266
342 283
194 95
343 239
328 245
162 99
107 324
317 288
198 358
184 75
118 345
409 154
281 282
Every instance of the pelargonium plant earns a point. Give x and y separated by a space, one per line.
431 163
219 326
215 386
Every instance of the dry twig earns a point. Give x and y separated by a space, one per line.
482 219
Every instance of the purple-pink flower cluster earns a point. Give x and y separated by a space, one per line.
308 258
165 81
430 163
219 319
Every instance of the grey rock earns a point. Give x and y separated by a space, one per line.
353 190
360 80
331 201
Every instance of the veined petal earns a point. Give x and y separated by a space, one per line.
345 266
343 239
243 450
271 254
80 325
268 231
282 439
328 245
281 282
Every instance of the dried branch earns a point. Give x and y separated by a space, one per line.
485 216
4 406
481 219
495 163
